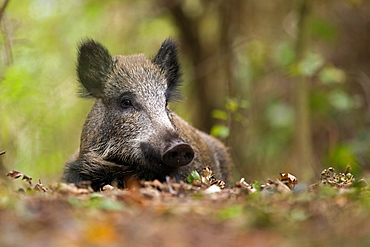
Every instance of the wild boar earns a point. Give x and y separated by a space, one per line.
130 133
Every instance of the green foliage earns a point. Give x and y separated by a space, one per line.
96 201
341 101
308 66
231 212
220 131
323 29
218 114
330 74
256 185
232 113
193 177
284 54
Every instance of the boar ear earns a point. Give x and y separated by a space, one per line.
168 61
94 64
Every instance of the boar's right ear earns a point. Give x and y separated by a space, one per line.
94 64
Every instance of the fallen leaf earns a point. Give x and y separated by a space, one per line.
16 174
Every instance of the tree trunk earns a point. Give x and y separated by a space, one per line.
211 58
303 158
7 62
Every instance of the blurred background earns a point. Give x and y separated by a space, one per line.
285 84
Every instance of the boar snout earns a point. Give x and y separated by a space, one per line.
179 154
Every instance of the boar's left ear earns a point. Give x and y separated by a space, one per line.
94 64
168 61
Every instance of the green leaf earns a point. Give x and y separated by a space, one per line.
331 74
284 54
244 104
193 176
220 131
232 105
341 100
218 114
231 212
310 64
256 185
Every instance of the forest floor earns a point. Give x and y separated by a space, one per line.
335 211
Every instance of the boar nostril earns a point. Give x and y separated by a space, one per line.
173 155
178 155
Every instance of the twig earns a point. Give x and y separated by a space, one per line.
2 152
2 10
170 188
7 43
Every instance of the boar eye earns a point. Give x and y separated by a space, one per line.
125 103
